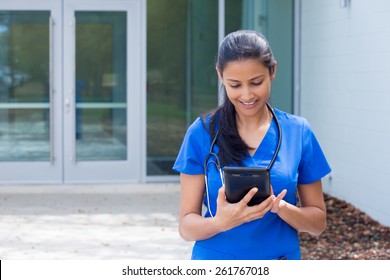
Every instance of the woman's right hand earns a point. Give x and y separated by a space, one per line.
230 215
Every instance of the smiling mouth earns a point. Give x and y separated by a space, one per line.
248 103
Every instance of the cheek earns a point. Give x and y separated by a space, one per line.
232 95
265 89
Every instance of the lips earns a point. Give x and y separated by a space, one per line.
249 105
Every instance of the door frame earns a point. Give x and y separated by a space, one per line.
49 171
63 169
105 171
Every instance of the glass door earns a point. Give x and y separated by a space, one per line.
71 91
30 134
102 91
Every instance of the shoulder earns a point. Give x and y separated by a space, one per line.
190 157
198 132
205 123
291 120
199 125
293 126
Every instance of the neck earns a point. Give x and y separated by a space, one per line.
263 118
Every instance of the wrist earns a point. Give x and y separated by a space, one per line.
218 225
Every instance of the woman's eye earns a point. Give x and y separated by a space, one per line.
257 83
235 86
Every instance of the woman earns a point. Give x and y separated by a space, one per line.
248 136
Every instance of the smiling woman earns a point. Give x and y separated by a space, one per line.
243 132
248 85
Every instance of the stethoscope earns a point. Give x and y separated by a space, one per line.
212 157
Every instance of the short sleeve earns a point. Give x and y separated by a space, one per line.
189 159
313 165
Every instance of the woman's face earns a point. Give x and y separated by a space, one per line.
248 85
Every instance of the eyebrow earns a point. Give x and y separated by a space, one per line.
254 78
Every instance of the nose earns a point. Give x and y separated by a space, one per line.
246 94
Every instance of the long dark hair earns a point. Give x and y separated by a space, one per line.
237 46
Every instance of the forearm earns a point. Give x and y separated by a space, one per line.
309 219
193 227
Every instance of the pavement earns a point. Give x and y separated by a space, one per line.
91 222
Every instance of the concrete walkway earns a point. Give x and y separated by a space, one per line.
91 222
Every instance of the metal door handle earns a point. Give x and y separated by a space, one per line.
67 104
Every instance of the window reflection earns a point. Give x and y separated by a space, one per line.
24 87
182 40
273 19
100 124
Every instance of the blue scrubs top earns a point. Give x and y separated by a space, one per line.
300 161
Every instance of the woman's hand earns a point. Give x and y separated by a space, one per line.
278 202
230 215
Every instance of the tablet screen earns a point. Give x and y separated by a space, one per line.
240 180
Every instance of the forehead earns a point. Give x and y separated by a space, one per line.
245 69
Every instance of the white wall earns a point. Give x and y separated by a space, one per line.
345 91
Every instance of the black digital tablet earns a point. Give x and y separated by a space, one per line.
239 180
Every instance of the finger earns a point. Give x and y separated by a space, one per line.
270 203
265 205
282 194
268 200
221 194
279 198
248 196
260 213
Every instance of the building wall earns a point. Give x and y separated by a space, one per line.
345 91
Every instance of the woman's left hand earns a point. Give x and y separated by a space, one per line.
278 202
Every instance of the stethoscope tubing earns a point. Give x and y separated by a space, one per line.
217 162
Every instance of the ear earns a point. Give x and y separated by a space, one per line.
273 75
219 75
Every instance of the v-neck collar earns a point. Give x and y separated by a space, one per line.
266 149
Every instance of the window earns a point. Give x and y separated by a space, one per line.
275 20
182 41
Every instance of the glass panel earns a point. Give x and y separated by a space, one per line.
24 86
182 41
101 134
233 15
275 20
101 127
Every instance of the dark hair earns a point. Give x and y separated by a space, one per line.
237 46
